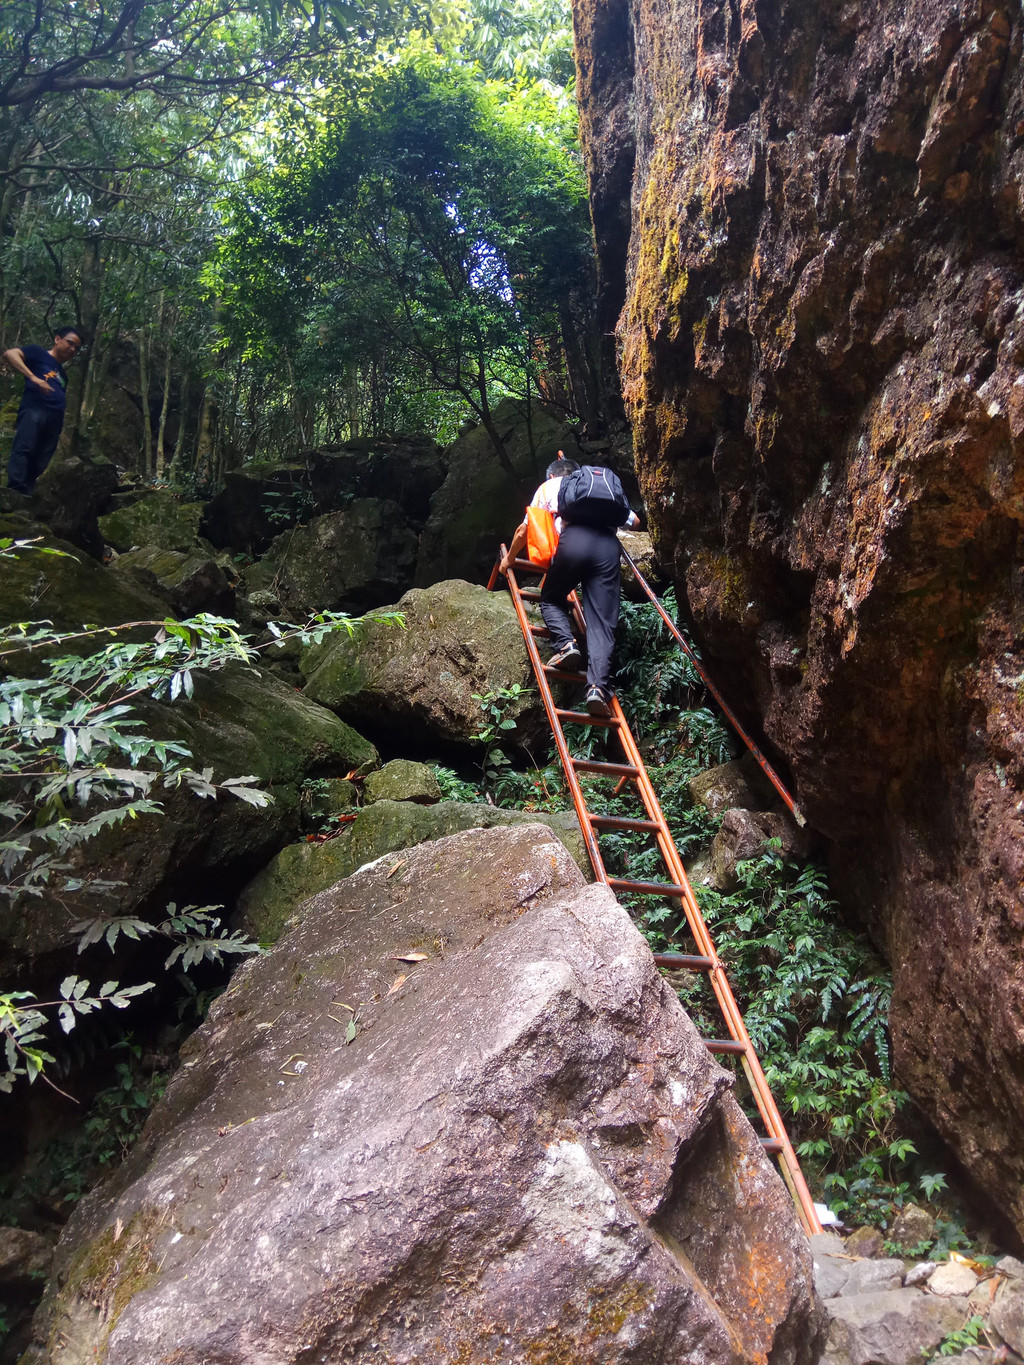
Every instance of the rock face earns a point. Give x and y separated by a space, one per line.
160 520
188 582
459 639
300 871
480 502
349 560
418 1175
821 334
238 723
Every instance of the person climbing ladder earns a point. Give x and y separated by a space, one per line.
590 506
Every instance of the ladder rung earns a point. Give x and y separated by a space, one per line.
689 962
725 1045
773 1146
646 888
625 822
564 676
591 765
530 594
584 718
526 566
541 632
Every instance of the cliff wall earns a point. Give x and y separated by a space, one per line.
820 296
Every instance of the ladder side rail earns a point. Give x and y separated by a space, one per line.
730 1010
730 715
582 815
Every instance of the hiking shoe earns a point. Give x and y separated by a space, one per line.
599 701
568 657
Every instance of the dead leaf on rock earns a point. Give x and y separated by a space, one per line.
408 957
398 981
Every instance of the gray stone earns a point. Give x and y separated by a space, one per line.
893 1327
912 1227
277 895
744 834
515 1147
873 1276
24 1255
70 496
1011 1268
459 642
826 1244
831 1273
918 1274
951 1279
161 519
188 581
402 780
349 560
722 788
1007 1315
865 1241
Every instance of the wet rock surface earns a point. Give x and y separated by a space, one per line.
419 680
415 1174
300 871
349 560
812 218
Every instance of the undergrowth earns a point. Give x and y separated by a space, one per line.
814 994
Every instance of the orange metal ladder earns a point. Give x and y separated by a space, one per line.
632 772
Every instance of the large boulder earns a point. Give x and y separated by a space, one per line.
160 520
459 642
344 561
188 581
254 504
481 500
279 892
70 497
455 1115
811 218
406 470
239 722
66 589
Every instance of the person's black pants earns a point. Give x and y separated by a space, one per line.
35 439
587 557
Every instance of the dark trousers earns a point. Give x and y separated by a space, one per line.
587 557
35 439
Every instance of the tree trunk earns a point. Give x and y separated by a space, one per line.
164 406
177 469
90 292
147 423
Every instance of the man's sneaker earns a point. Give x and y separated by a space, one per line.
598 701
568 657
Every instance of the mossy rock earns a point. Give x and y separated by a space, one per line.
323 798
481 501
188 581
348 560
239 723
459 642
301 871
159 520
68 589
402 780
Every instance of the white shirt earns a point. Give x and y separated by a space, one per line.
546 498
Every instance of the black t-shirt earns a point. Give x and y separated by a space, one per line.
42 363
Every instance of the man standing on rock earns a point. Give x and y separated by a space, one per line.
41 415
588 555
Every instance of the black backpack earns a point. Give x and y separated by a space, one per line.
592 496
